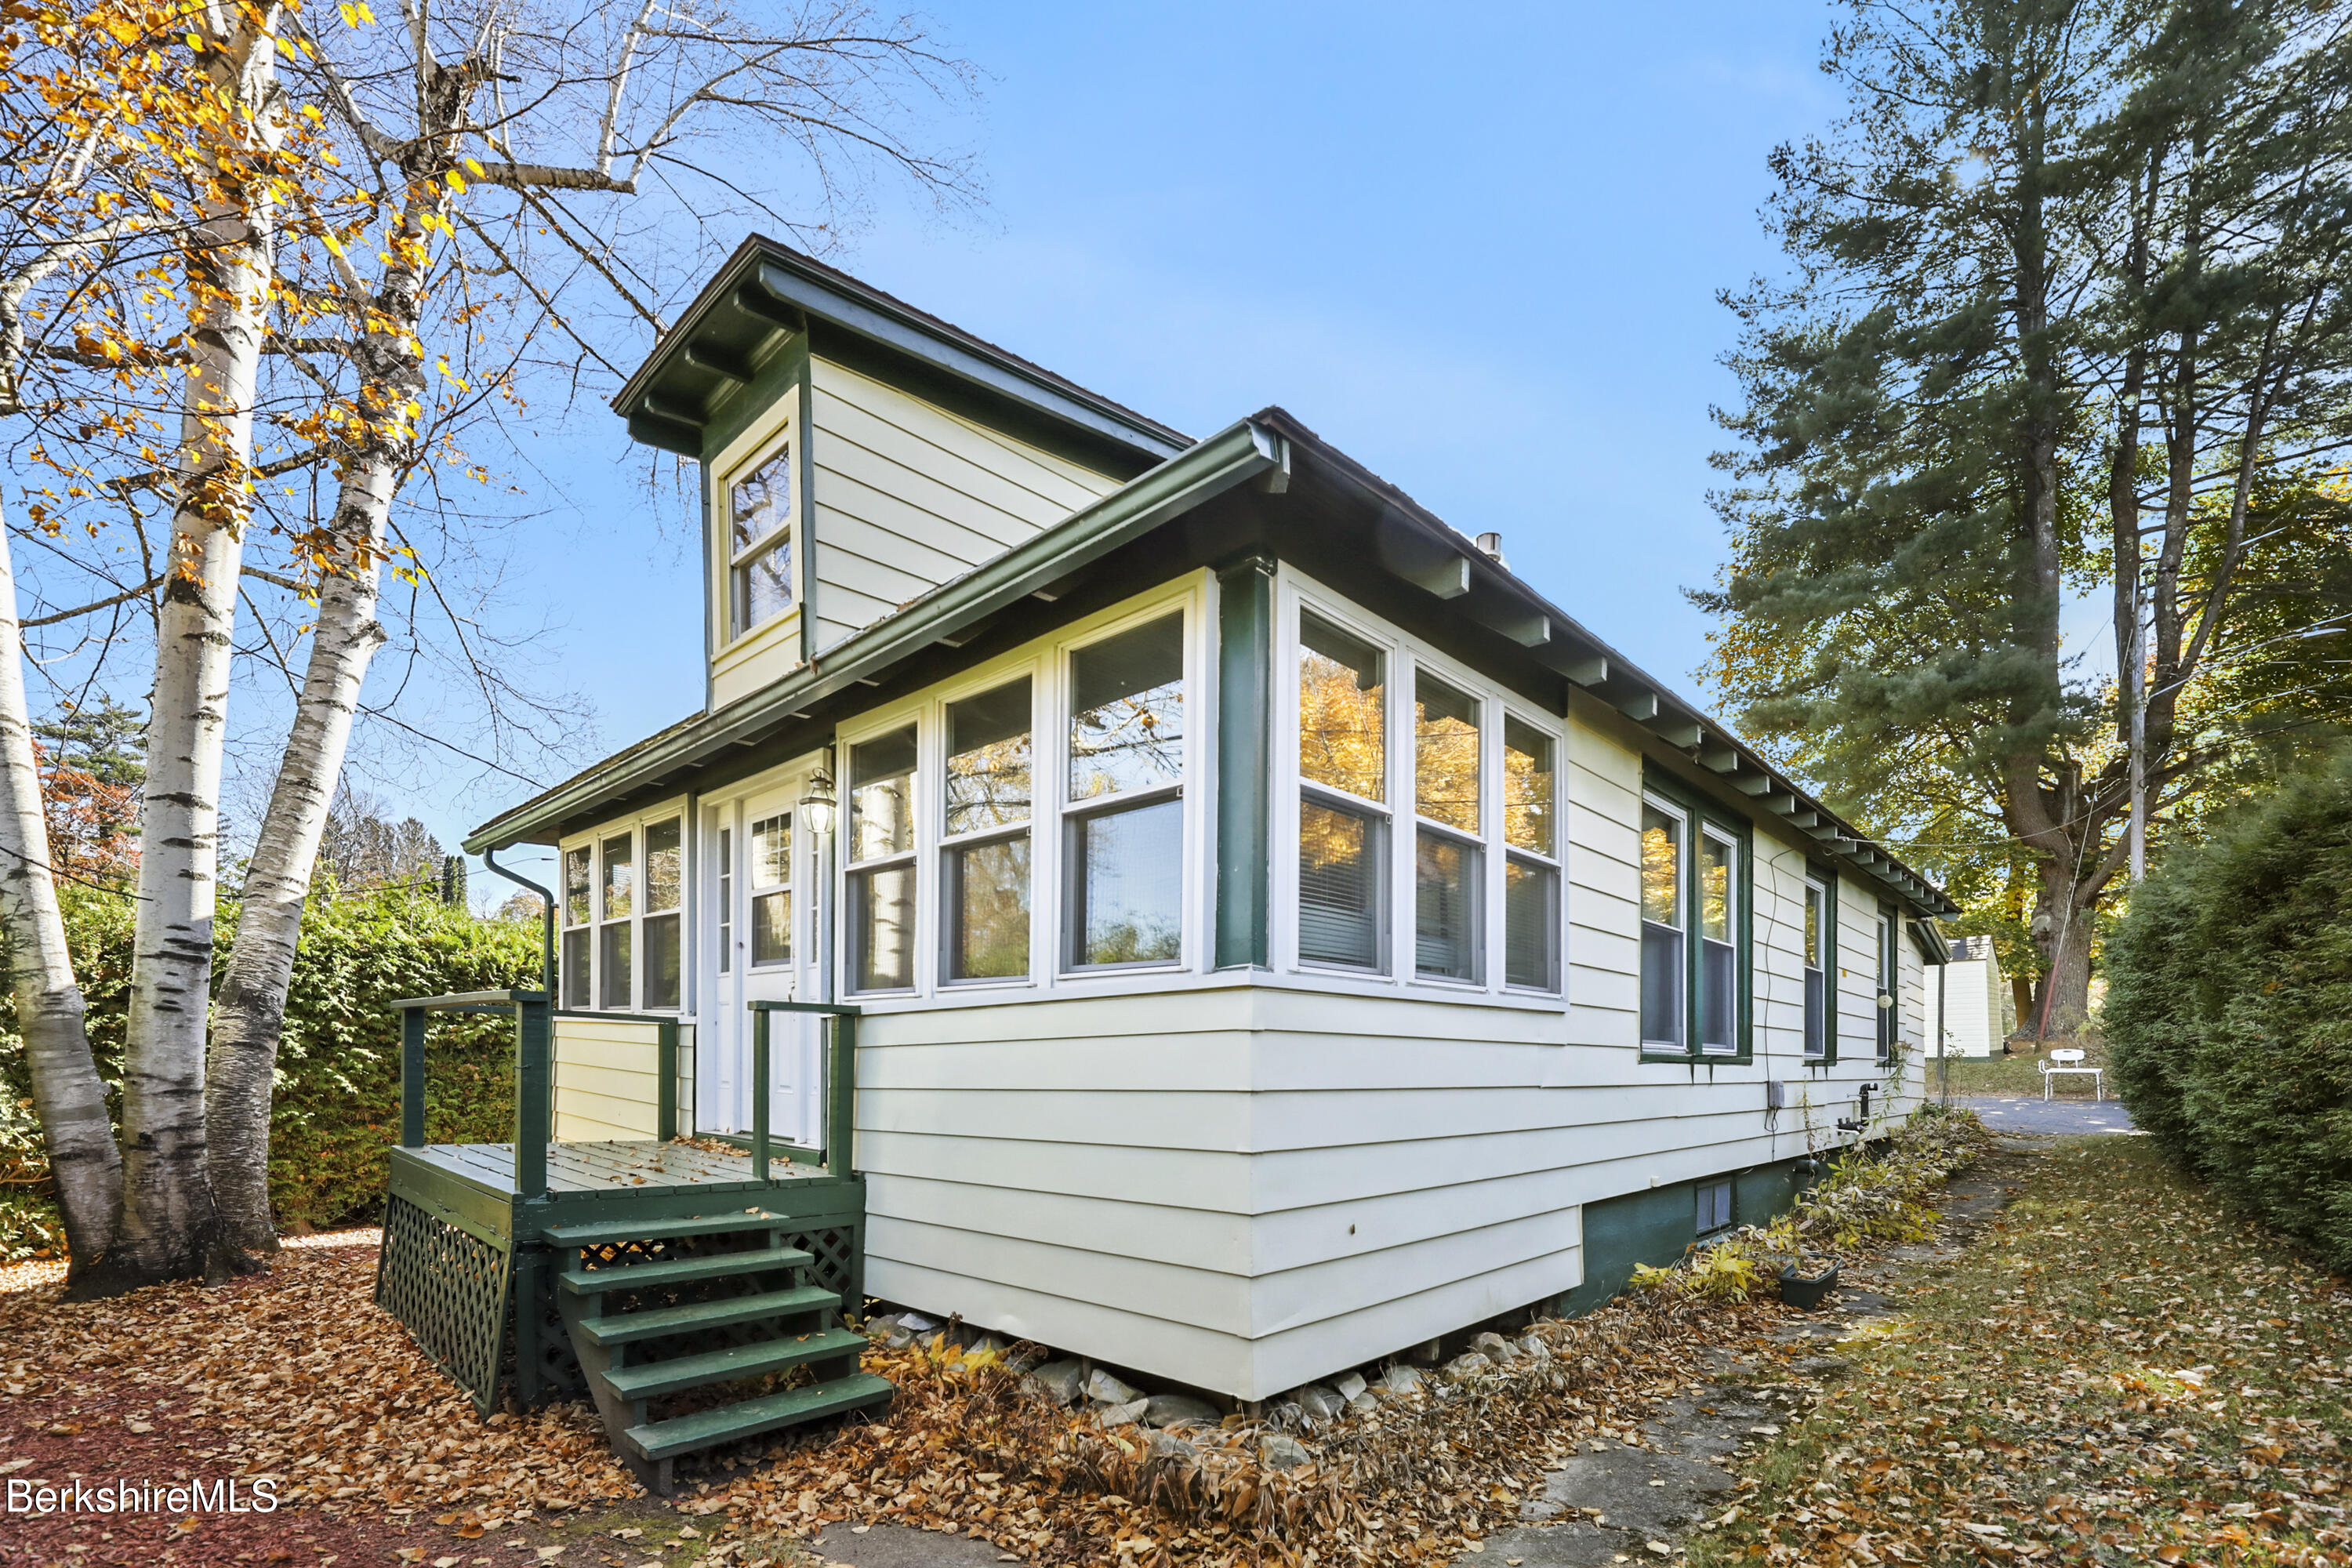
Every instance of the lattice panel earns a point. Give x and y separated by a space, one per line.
449 1290
834 1260
559 1367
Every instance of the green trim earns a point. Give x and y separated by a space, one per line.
1702 813
1234 455
1244 760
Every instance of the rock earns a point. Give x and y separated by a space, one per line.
987 1345
1026 1357
1363 1404
1823 1366
1105 1389
1464 1364
1282 1453
1319 1403
1534 1349
1179 1410
1060 1380
1495 1349
1402 1379
917 1323
1286 1415
1350 1388
1126 1414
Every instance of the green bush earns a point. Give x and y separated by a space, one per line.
2229 1012
337 1104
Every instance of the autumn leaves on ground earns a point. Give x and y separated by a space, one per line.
2113 1371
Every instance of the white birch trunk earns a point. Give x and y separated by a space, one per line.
251 1010
169 1228
67 1096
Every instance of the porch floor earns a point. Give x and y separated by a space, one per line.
607 1166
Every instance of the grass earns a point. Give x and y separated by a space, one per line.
2019 1073
2117 1370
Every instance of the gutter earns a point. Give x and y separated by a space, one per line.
1234 456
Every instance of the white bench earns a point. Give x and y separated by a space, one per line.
2062 1062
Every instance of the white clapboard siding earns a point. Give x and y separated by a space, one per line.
908 496
606 1081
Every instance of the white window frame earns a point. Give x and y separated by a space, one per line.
1813 1033
945 844
1686 847
681 809
746 452
1734 892
922 781
1198 715
1407 658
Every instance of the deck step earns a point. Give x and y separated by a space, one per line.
680 1271
725 1423
631 1328
654 1379
606 1232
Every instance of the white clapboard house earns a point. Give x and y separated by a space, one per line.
1281 935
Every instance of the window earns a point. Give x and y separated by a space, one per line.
760 540
1890 977
658 987
1125 817
578 877
1448 886
985 863
725 900
882 854
770 871
1718 977
1530 864
1343 779
1714 1206
1662 930
1821 938
1695 930
618 857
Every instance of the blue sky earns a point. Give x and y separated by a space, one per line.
1478 250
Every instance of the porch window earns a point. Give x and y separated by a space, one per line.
617 900
1530 862
759 539
1820 917
985 861
1663 972
1343 780
1449 887
882 854
726 901
1890 976
578 879
1125 817
1718 978
665 884
771 894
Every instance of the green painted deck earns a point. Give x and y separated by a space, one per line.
606 1167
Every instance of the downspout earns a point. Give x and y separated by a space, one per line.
547 921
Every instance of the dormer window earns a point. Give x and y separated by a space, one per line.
759 539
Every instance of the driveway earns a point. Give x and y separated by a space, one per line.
2073 1114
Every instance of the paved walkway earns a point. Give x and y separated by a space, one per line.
2074 1114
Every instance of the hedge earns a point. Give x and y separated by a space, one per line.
337 1106
2229 1011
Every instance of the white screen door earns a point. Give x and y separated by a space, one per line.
763 933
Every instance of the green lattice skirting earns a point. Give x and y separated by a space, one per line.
452 1290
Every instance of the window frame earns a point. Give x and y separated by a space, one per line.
678 808
1379 814
1554 862
854 874
756 445
1705 818
1069 814
1888 981
946 844
1824 878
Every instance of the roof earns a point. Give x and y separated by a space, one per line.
1406 542
767 289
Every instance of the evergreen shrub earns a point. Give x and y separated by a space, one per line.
336 1110
2229 1012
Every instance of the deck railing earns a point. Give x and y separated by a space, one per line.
840 1083
534 1076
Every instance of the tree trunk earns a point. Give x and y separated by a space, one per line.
170 1228
251 1010
69 1098
2065 913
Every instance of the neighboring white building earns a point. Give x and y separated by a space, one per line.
1978 1012
1282 935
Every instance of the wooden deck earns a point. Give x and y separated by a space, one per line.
611 1166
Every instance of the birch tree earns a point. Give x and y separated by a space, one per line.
524 176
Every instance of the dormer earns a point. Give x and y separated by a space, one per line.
857 453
